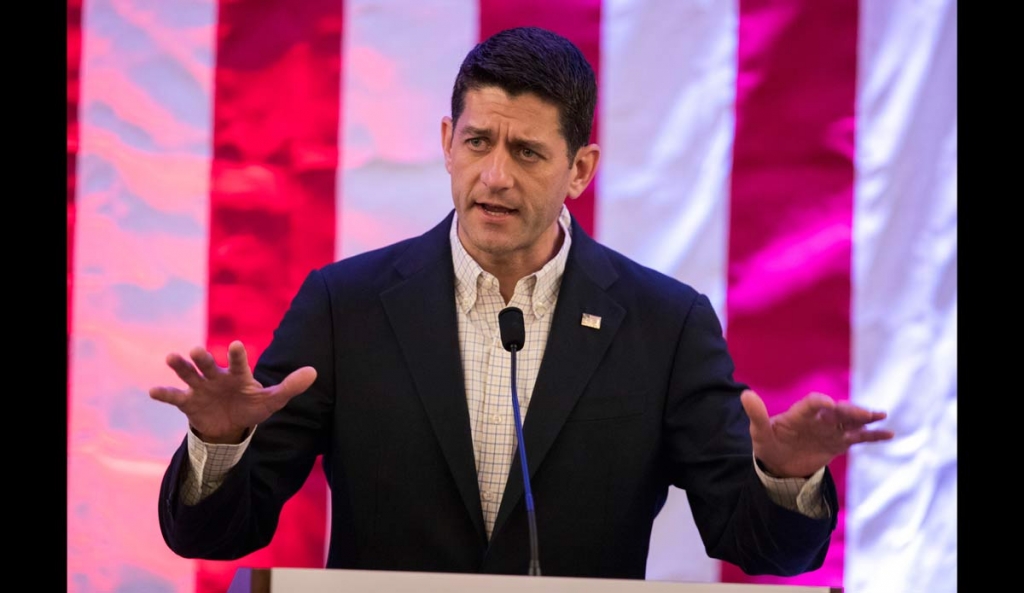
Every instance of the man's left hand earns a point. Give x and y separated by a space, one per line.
810 434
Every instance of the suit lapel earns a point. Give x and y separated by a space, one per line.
571 357
421 309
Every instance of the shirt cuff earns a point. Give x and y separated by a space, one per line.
209 463
802 495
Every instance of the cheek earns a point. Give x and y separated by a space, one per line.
551 189
462 184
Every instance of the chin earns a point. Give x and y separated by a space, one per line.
495 246
492 244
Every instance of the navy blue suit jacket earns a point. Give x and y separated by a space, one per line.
617 416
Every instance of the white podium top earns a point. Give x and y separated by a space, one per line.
312 580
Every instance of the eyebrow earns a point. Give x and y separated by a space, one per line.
473 131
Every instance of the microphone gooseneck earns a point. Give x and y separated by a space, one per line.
513 335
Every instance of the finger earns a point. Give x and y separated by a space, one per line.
185 370
204 361
818 403
876 435
868 436
238 359
169 395
854 416
822 408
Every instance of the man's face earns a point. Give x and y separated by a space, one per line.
510 176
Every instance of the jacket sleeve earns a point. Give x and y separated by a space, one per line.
710 457
241 516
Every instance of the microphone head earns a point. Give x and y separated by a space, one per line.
513 328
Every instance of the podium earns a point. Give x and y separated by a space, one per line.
330 580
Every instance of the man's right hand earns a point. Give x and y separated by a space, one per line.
223 404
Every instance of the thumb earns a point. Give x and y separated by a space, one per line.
755 408
295 383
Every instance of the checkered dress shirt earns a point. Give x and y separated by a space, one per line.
487 365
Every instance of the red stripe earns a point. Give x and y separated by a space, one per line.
74 66
577 20
792 194
272 213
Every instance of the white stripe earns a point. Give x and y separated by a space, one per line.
139 272
666 130
901 496
400 60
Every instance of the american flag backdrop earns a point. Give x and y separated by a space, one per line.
795 160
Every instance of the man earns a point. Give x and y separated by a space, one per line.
390 365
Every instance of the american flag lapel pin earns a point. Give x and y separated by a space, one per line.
591 321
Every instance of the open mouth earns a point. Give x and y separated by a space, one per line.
495 210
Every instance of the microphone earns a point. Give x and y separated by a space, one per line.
513 330
513 335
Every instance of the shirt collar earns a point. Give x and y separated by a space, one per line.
540 287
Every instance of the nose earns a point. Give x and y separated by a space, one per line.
496 175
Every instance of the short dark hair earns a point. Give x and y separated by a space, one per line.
534 60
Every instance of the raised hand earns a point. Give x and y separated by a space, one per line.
810 434
222 404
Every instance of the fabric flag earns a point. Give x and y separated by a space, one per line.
795 160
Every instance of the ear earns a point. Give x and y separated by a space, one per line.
447 132
584 166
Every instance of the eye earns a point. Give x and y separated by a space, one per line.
529 154
476 143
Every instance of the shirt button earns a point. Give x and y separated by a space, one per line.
496 418
488 496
